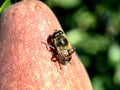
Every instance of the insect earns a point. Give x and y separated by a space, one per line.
62 47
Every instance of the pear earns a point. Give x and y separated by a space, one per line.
25 56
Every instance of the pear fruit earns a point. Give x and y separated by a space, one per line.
25 62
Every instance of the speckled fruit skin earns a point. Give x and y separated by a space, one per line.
25 62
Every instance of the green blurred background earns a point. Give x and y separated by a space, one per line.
93 27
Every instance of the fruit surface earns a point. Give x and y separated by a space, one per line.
25 62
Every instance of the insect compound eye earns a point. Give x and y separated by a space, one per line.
57 33
63 41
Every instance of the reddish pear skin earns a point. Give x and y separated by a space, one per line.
25 62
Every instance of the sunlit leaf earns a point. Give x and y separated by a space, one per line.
4 5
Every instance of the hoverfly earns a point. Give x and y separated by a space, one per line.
62 47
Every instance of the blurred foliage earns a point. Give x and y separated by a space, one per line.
93 27
5 4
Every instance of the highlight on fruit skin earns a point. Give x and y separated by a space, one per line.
25 62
